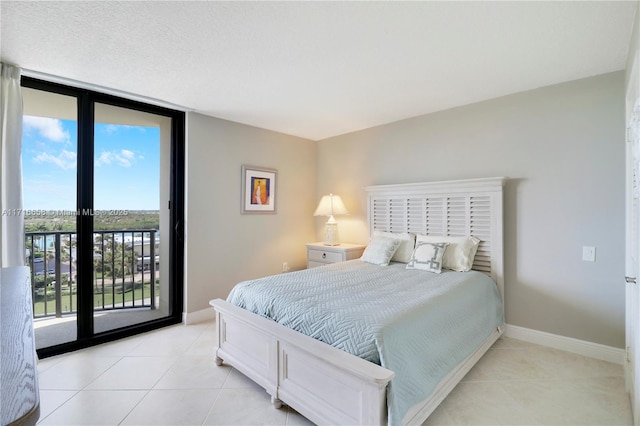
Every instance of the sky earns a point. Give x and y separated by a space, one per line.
126 165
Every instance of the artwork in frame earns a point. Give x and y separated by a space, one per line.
258 190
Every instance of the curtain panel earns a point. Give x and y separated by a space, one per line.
12 247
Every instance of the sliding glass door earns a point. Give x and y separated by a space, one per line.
116 255
131 185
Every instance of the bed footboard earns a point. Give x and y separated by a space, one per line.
323 383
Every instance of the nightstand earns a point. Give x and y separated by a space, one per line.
318 254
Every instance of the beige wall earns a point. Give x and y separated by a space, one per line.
222 246
634 46
562 148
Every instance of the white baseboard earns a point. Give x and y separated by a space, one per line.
198 316
569 344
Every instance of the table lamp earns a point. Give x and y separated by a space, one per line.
331 205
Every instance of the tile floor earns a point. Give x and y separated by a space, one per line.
168 377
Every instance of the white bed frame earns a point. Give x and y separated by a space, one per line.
328 385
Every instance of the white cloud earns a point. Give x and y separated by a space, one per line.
124 158
113 128
110 128
48 128
105 158
66 160
127 154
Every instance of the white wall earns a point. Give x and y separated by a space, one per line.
632 89
222 246
562 148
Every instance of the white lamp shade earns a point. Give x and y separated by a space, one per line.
330 205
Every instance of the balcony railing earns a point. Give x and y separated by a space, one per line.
125 270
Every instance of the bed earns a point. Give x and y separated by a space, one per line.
333 383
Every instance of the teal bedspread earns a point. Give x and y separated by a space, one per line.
418 324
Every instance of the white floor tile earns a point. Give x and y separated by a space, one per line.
169 377
484 403
134 373
245 407
194 372
47 363
507 364
237 380
118 348
172 407
561 364
50 400
439 417
591 401
204 344
296 419
86 408
165 344
75 372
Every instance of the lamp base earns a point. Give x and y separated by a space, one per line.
331 237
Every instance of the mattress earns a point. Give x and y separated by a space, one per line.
416 323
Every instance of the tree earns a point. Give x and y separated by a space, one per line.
66 247
116 259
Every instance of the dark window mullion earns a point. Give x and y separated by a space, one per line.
84 218
176 203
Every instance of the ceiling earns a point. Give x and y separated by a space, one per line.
317 69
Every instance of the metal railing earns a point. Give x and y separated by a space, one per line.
125 270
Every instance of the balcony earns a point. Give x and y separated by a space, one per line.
125 281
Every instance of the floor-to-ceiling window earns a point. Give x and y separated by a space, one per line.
103 190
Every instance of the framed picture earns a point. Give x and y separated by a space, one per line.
258 190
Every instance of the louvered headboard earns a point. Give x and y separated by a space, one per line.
471 207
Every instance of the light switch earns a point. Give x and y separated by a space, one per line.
589 254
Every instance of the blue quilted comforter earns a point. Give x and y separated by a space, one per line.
418 324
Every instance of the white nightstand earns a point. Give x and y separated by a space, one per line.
318 254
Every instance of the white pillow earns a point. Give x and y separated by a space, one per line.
428 257
380 250
460 253
407 244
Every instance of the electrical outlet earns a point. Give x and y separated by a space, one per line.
285 267
588 254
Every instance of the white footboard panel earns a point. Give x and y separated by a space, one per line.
336 397
253 352
325 384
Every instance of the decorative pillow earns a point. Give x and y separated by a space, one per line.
460 253
428 257
407 244
380 250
